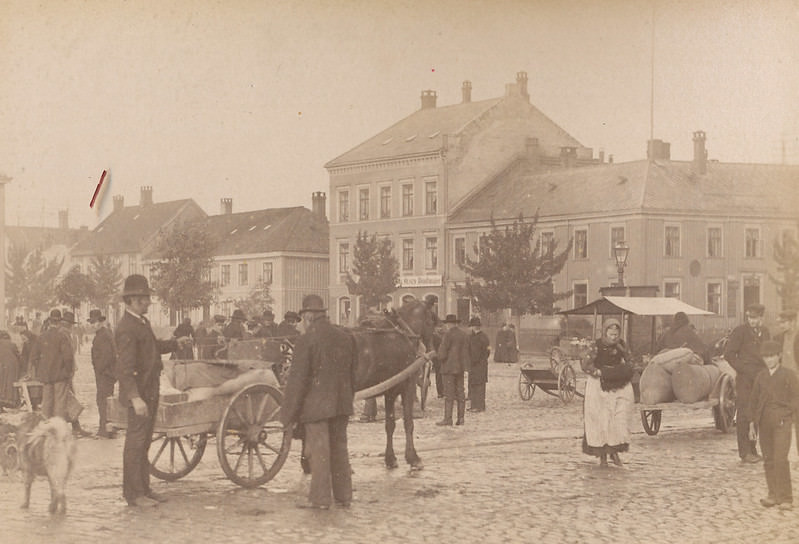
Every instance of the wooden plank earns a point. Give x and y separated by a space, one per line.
175 414
701 405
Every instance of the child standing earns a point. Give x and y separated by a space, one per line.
774 405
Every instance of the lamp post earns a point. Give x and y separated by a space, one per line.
620 252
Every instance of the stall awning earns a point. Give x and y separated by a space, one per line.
636 306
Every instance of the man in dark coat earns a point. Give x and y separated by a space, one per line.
235 328
184 329
319 395
104 357
479 350
682 334
506 351
743 353
10 371
53 363
453 354
288 327
138 370
268 326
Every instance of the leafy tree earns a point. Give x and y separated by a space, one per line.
258 300
513 271
375 270
42 275
74 288
786 254
182 278
17 285
106 280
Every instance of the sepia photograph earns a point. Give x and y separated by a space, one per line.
377 271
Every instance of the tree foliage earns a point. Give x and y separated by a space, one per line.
786 254
257 300
512 270
375 271
182 277
17 286
74 288
106 280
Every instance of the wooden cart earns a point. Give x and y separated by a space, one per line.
559 380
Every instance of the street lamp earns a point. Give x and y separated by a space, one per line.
620 252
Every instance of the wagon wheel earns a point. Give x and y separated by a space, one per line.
424 384
556 358
526 387
567 384
176 456
651 421
724 411
250 441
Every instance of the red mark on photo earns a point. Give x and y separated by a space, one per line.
97 190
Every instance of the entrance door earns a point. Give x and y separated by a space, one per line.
464 309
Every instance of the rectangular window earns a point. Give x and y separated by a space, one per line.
385 202
407 200
243 274
431 253
671 289
672 236
714 242
430 198
460 251
616 236
753 242
580 291
224 275
547 243
581 244
343 257
363 204
407 254
267 273
714 297
343 206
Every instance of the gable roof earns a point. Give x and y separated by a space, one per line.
129 229
726 188
294 229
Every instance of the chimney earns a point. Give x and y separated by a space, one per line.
610 159
568 156
428 99
601 155
63 219
119 202
521 83
466 90
700 153
318 202
225 206
658 150
146 195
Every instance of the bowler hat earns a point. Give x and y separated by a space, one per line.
268 314
55 315
755 309
769 348
451 318
238 314
293 316
136 285
95 316
219 318
312 303
475 322
68 317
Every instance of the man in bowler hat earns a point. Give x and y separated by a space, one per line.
138 370
479 350
453 353
53 363
104 356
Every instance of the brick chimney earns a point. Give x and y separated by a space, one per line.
521 83
225 206
318 204
601 155
658 150
146 195
119 202
63 219
699 165
428 99
466 91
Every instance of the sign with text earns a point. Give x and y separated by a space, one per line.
420 281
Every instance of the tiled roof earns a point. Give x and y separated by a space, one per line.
129 230
726 188
33 238
295 229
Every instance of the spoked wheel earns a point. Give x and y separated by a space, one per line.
567 384
250 441
724 411
650 419
556 357
424 384
526 387
175 456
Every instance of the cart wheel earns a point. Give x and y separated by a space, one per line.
724 411
651 421
526 387
567 383
166 465
250 442
556 358
424 385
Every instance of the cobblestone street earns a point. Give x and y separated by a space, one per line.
512 474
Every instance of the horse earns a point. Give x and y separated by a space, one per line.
385 346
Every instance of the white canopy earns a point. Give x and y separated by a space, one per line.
638 306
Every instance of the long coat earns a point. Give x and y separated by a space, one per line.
104 353
506 347
139 359
9 371
684 335
321 381
453 353
743 351
52 356
479 348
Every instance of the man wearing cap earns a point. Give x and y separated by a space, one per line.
318 395
53 363
268 327
288 327
453 354
743 353
479 350
104 358
138 370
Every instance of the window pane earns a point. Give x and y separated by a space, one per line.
616 236
407 254
243 276
460 251
343 258
385 202
672 242
581 244
431 198
714 242
547 243
580 294
431 253
363 204
672 289
714 298
267 273
752 242
224 275
407 200
344 206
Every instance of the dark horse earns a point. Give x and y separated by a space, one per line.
386 345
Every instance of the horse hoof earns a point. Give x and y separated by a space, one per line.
391 465
417 467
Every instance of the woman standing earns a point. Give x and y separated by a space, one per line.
9 371
608 396
506 348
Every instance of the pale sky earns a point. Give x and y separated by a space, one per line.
245 99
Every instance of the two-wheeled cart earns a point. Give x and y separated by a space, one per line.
559 380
